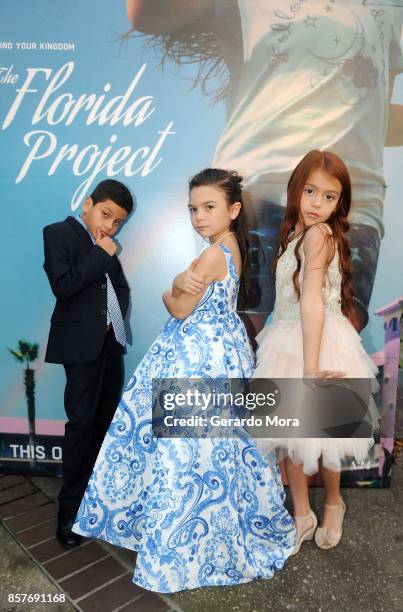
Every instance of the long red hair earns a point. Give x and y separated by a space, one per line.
336 168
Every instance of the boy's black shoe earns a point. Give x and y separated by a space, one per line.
64 533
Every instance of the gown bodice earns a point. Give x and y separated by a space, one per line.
287 305
220 297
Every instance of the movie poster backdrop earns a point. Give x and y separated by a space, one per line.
149 93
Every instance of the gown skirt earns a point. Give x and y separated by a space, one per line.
199 512
280 355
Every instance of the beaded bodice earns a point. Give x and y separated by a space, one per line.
287 306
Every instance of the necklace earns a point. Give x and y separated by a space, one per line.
221 238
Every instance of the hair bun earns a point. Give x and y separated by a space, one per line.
237 177
220 177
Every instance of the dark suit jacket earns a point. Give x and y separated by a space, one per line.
76 270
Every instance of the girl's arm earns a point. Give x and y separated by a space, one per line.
211 266
188 281
317 254
163 16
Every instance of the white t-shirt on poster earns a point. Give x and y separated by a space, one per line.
314 74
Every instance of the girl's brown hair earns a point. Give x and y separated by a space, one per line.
230 183
336 168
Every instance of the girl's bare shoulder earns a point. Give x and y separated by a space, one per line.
316 238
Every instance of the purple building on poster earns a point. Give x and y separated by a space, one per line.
393 323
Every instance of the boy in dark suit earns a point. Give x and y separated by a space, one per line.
87 333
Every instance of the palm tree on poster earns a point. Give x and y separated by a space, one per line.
26 353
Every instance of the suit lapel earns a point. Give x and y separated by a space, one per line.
80 231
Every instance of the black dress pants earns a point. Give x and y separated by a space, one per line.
92 394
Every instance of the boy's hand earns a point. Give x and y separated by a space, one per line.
106 243
188 281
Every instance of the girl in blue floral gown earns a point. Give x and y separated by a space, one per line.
199 512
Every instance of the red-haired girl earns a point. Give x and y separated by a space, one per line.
313 333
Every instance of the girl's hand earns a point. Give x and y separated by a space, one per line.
201 272
324 374
188 281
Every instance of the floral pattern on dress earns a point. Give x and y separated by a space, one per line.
199 512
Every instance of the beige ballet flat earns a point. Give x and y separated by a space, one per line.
329 538
308 533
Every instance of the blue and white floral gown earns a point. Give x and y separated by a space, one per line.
200 512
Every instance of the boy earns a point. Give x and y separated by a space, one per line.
87 333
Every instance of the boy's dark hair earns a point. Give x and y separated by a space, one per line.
115 191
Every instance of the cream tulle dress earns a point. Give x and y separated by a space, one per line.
280 355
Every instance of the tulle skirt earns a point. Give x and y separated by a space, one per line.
280 355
